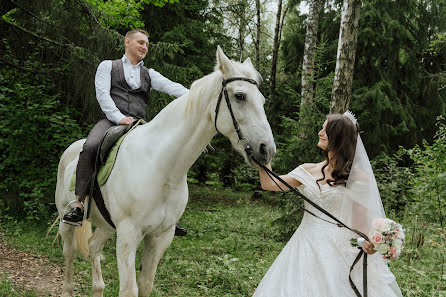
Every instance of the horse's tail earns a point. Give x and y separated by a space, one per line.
82 235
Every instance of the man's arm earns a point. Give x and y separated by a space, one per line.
102 84
163 84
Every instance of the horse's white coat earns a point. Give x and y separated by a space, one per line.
147 193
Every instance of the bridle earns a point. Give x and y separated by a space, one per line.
270 173
228 103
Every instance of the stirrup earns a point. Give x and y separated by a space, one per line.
65 212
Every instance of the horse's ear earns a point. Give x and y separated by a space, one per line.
223 62
248 62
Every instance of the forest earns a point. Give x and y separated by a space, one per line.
388 67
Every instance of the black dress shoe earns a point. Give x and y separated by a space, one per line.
180 231
74 217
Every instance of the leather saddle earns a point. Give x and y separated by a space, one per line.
111 136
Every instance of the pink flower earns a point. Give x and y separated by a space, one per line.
378 223
393 252
377 238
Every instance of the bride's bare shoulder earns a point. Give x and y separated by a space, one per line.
310 167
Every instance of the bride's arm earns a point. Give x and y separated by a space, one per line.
359 218
359 222
268 185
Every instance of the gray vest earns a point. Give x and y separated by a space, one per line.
129 102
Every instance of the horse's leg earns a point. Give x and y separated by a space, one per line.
69 252
154 247
97 241
128 239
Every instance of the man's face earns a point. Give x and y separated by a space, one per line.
136 46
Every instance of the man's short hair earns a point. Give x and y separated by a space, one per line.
134 31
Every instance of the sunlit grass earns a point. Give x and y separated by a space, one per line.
227 251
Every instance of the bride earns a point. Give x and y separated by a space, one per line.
316 260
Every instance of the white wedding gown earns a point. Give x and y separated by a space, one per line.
316 260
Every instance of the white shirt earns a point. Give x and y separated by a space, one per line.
132 76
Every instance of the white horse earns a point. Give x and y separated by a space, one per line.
147 193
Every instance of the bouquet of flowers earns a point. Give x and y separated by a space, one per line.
387 236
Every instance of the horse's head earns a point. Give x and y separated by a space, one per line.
239 83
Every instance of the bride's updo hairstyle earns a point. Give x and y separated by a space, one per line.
342 135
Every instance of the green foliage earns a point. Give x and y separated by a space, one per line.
412 185
119 14
34 130
395 122
420 270
124 14
399 75
393 182
429 182
299 143
396 89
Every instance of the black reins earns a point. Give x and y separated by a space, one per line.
338 223
249 152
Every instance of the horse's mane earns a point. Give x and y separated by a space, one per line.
209 86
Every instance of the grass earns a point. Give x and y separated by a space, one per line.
226 252
8 290
421 271
229 247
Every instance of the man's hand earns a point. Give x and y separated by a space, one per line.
127 121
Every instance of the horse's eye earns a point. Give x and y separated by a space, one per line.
240 96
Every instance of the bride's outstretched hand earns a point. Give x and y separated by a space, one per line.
368 247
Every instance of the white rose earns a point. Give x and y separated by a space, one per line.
385 228
398 243
383 249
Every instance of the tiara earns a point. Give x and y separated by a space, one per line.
351 116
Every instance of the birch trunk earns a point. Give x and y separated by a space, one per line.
257 43
272 80
308 67
345 61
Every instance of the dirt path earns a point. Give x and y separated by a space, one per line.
30 272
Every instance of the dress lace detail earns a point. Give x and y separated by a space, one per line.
316 260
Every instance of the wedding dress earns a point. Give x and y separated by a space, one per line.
316 261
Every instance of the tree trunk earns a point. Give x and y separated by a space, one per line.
241 11
308 67
272 79
257 43
241 39
345 62
283 19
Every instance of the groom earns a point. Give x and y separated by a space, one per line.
122 90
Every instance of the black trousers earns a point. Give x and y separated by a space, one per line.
87 157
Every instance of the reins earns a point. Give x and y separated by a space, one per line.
249 152
339 224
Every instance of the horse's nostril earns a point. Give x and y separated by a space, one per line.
262 149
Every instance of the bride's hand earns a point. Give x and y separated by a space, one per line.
368 247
